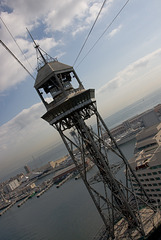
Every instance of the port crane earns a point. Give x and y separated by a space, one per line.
70 107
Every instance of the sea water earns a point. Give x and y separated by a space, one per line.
64 213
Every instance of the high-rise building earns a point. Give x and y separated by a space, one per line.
27 169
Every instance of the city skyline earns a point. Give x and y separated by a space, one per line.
123 67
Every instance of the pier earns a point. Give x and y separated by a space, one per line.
5 210
63 181
44 190
23 201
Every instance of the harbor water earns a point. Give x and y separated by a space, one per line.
67 212
64 213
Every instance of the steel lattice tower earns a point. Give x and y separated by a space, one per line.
72 108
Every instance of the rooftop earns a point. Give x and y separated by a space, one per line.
48 69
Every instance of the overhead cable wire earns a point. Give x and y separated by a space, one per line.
16 59
109 25
90 32
16 42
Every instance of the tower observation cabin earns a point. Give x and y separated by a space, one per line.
61 91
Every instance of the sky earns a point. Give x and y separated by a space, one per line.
122 67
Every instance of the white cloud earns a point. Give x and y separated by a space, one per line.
26 134
132 71
55 15
90 16
11 76
79 29
134 82
10 131
64 13
115 31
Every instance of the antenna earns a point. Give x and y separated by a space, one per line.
42 57
37 46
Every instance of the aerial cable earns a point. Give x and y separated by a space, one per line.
90 31
109 25
16 59
16 42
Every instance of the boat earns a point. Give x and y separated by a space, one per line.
146 162
32 194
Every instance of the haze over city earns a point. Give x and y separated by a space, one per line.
124 65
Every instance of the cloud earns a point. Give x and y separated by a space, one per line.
132 71
26 135
63 15
11 76
136 81
9 132
90 16
115 31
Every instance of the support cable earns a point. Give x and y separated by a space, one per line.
90 32
109 25
16 59
16 43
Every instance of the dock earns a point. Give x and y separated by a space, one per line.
44 190
7 208
63 181
23 201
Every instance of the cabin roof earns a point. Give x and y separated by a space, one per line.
48 69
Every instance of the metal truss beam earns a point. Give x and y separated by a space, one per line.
113 199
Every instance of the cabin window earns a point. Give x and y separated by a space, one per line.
68 80
50 89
